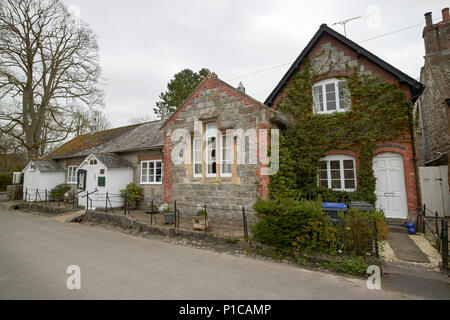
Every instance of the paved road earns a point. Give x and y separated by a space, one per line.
35 252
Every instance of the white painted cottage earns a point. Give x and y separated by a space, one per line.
102 174
106 161
41 175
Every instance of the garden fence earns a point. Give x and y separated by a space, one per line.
438 229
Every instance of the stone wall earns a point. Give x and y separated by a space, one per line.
434 136
14 192
217 102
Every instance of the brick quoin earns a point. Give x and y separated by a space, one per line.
167 179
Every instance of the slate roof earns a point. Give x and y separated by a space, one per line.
129 138
415 86
111 160
44 165
146 136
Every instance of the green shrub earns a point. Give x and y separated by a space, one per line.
301 225
293 224
133 193
59 191
355 231
5 180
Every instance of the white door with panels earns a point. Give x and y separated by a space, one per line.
390 188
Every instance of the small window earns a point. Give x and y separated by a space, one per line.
72 174
337 172
93 162
331 95
102 171
197 154
226 154
151 172
211 147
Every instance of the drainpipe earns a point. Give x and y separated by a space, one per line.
413 143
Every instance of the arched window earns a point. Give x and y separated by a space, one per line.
331 95
337 172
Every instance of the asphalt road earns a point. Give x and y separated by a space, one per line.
35 252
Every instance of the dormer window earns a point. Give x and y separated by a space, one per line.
331 95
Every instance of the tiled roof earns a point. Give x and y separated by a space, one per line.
146 136
47 165
112 161
415 86
134 137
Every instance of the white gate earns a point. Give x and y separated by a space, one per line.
435 191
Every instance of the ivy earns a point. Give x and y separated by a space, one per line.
379 113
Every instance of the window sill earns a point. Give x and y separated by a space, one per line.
150 183
332 112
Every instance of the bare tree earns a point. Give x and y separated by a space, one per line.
141 119
93 120
49 71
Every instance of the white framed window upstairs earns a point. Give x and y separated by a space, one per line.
72 174
337 172
151 172
331 95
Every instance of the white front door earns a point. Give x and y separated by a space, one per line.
390 187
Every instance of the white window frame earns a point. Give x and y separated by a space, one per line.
74 176
154 171
340 107
195 161
222 161
341 158
208 135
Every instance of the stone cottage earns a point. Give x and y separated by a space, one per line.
216 117
335 57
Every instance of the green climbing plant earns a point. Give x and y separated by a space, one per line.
379 113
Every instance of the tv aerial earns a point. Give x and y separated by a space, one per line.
344 22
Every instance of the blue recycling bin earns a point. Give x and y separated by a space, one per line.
333 209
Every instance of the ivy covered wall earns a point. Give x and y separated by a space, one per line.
379 113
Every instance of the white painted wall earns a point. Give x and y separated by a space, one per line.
41 181
116 180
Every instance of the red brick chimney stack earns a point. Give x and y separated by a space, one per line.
445 14
437 36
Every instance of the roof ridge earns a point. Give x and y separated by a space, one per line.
216 78
412 83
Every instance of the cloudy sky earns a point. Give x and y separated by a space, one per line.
144 43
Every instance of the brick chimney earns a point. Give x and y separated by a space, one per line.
437 36
445 14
